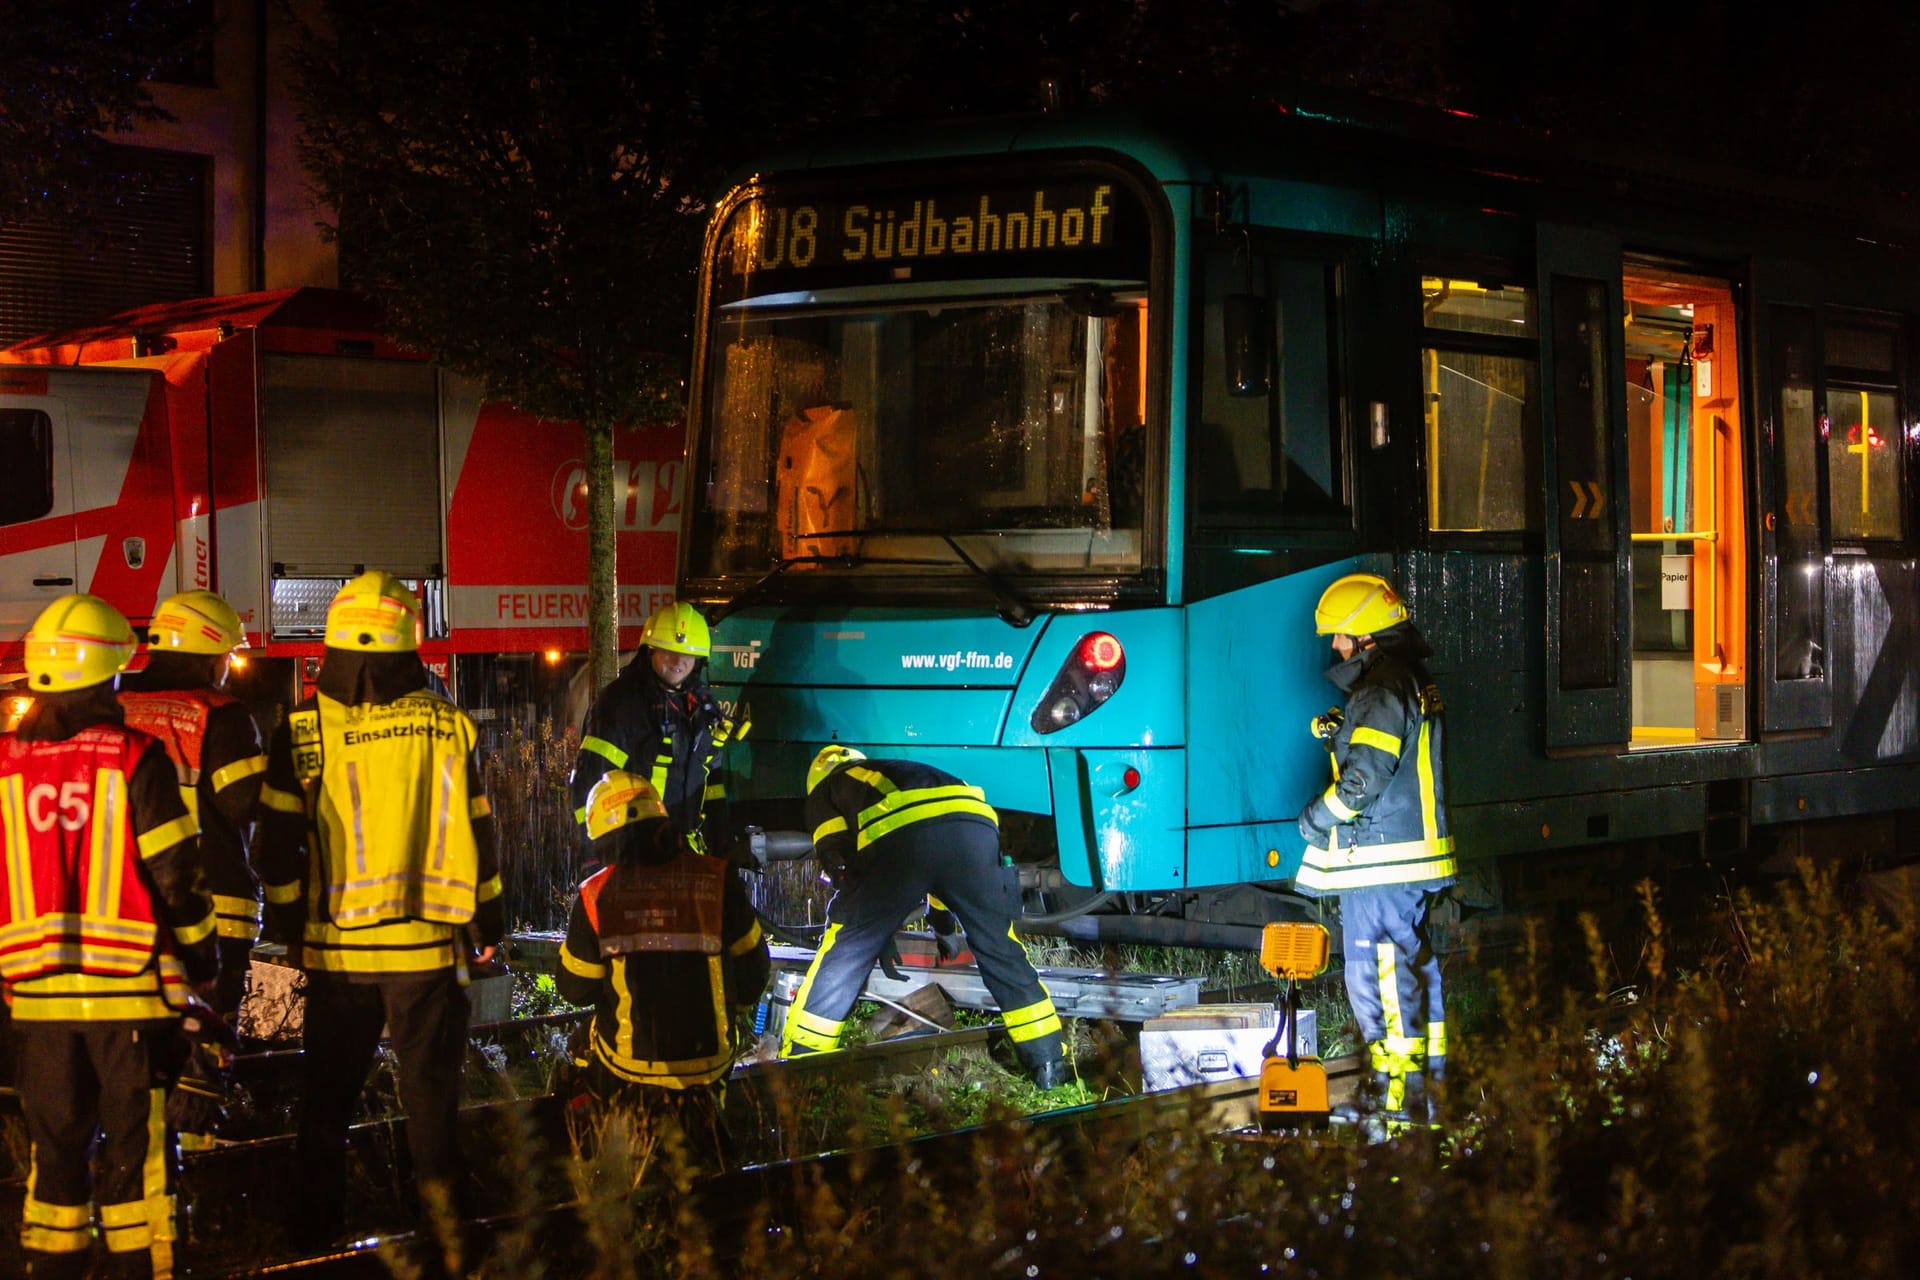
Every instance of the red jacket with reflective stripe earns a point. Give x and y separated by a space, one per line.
75 898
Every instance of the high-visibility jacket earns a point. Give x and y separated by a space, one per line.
217 756
395 866
817 481
671 737
101 909
1384 816
861 802
663 950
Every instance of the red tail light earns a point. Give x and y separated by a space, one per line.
1092 671
1101 652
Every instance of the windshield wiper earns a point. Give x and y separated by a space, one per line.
1013 609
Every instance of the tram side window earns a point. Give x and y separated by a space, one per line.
1864 435
26 465
1479 369
1267 451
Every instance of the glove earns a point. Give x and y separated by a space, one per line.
1326 724
198 1101
1316 823
950 945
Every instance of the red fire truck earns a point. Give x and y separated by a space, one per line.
270 446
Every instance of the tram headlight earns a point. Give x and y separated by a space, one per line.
1089 676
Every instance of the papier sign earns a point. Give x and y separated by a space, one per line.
1676 582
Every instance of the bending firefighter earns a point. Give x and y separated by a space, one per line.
664 946
1377 837
378 858
658 719
889 833
103 925
219 763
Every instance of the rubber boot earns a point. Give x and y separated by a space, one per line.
1050 1073
1370 1100
1422 1107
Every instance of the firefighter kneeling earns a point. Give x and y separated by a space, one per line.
103 924
889 833
664 945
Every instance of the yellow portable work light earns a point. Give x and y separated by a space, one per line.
1293 1088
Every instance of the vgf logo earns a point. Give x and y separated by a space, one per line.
70 805
648 502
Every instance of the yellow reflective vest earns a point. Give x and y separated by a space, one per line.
386 789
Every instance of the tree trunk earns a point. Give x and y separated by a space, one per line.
603 562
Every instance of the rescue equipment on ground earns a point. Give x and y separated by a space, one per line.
1293 1086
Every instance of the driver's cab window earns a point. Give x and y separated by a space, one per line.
1267 448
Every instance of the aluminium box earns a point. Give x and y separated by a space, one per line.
1205 1043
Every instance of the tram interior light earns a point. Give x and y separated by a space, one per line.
1089 676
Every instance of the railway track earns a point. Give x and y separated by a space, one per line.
732 1203
234 1196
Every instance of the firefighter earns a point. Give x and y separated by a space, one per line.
219 762
888 833
664 945
1377 836
378 857
659 719
106 925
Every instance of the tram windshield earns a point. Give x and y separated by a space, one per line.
925 415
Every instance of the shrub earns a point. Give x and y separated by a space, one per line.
1737 1110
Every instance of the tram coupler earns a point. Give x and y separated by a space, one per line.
1293 1086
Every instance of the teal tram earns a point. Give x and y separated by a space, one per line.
1025 448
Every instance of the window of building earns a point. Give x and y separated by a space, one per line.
26 465
1864 434
1269 447
1479 367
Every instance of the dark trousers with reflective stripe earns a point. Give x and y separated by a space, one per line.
958 862
426 1017
1393 976
696 1113
108 1079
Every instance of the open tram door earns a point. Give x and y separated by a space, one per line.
1646 529
1686 486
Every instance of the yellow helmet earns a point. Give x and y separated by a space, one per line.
1359 604
374 613
678 628
618 799
829 758
196 622
77 642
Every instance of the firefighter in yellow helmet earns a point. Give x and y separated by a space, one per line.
889 833
1377 836
107 925
181 699
660 720
378 857
664 946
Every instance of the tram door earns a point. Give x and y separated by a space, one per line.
1685 486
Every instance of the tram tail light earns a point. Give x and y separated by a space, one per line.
1086 679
